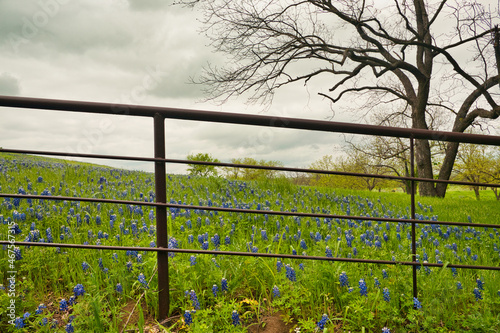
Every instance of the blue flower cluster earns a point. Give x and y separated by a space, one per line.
362 288
321 324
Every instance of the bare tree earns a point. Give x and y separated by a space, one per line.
393 154
399 51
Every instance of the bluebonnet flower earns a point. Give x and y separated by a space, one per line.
17 253
290 273
459 285
236 318
71 300
194 299
133 226
119 287
19 323
44 322
362 288
63 305
139 258
40 308
328 252
386 330
279 265
152 244
223 284
377 282
172 244
188 318
416 303
192 260
227 240
384 274
276 238
255 249
215 263
54 324
303 244
387 295
142 279
215 240
427 269
480 284
477 294
129 265
263 234
26 315
79 290
344 280
115 257
16 229
50 239
101 265
276 292
204 246
215 289
69 328
321 324
301 266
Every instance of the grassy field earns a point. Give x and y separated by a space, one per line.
66 290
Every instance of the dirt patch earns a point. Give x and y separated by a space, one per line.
271 324
149 321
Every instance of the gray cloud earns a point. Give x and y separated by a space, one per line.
138 52
9 85
148 4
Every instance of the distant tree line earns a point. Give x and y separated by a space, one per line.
378 156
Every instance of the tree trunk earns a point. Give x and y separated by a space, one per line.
407 183
447 167
497 193
424 63
476 192
422 147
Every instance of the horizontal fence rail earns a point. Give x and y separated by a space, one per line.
251 254
244 119
159 114
249 211
246 166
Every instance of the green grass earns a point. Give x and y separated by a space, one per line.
47 275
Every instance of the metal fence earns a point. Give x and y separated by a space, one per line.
159 114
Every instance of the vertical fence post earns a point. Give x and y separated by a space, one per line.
161 218
413 231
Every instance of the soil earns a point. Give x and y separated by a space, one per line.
271 324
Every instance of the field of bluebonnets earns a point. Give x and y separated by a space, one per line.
79 290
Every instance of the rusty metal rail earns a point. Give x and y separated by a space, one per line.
159 114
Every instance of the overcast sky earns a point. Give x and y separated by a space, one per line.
138 52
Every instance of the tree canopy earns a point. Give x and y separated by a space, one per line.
201 169
419 58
